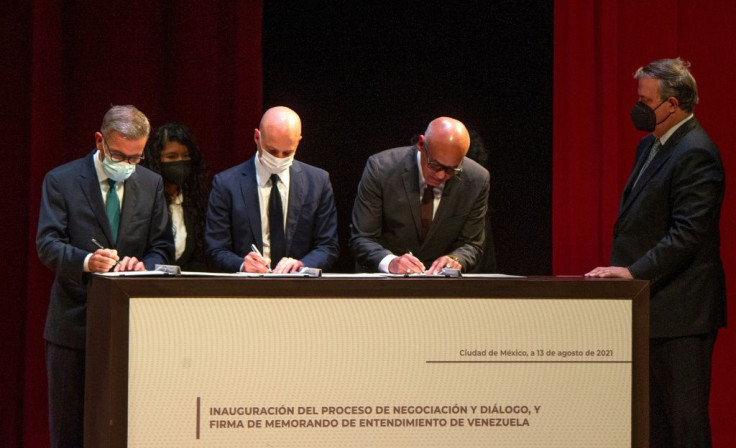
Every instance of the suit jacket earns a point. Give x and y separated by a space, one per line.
667 232
234 217
193 257
72 213
386 214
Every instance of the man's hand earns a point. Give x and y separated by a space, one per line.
130 264
610 272
406 264
102 260
444 261
286 265
254 262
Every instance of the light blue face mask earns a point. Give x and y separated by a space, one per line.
117 171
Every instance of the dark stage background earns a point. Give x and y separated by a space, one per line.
368 76
364 78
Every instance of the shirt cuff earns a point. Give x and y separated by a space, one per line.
383 265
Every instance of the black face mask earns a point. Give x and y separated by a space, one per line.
644 118
176 172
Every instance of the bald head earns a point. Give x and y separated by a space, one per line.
445 143
448 138
279 132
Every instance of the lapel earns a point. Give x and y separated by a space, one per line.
89 185
296 199
189 243
127 211
641 156
249 193
410 180
665 152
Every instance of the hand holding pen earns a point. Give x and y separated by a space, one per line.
406 264
103 260
255 262
126 264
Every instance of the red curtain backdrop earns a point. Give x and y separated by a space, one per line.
598 45
65 63
199 63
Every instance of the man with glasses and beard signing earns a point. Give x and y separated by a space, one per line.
421 208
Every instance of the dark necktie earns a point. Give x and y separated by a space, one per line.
276 222
112 208
652 152
427 209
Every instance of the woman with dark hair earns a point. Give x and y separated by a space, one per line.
173 152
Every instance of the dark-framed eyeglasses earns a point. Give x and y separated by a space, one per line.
117 156
437 167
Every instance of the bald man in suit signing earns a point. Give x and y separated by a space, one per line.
283 208
421 208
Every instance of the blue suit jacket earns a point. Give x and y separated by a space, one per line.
72 213
234 217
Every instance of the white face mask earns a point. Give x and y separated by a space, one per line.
275 165
117 171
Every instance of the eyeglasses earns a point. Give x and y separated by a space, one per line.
437 167
118 156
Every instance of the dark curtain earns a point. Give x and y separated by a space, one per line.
598 46
64 64
367 76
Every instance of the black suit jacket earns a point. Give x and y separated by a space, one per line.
193 258
72 213
386 215
667 232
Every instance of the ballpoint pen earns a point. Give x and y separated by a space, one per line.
255 249
409 252
96 243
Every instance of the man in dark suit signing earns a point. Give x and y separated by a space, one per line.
667 232
421 208
107 198
272 212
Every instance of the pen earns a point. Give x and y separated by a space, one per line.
409 252
255 249
102 247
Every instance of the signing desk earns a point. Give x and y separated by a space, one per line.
363 362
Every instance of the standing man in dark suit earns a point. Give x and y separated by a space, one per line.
103 196
667 233
422 205
283 208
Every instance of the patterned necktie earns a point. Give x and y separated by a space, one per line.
427 209
652 152
112 208
276 222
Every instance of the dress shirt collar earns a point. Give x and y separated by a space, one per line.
101 176
672 130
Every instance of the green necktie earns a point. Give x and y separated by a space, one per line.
112 208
